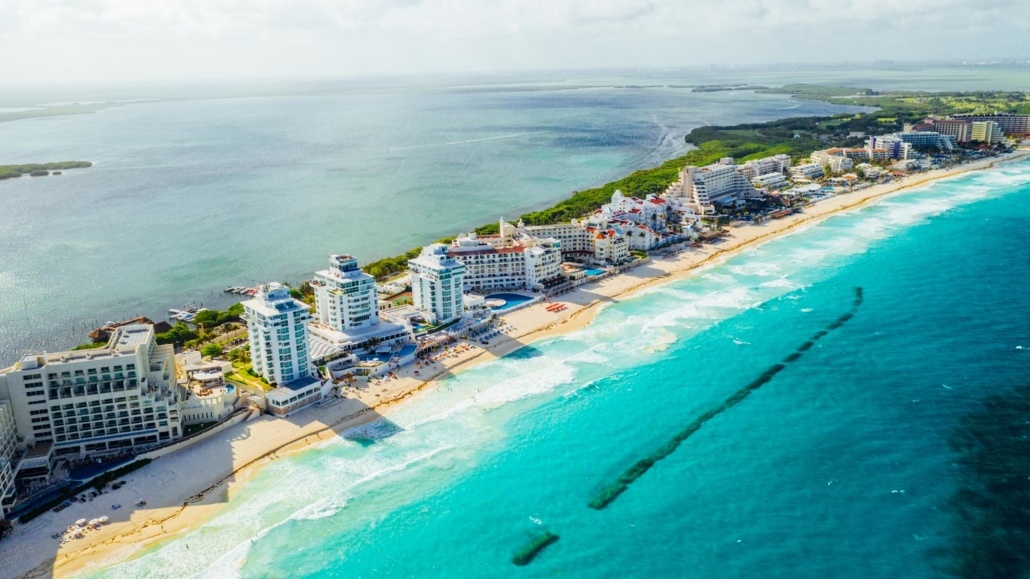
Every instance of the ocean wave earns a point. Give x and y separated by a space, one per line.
324 508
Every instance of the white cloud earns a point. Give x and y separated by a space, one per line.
170 38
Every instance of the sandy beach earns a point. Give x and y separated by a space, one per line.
186 488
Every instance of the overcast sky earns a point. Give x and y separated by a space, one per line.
114 40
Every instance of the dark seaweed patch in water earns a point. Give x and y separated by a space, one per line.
525 555
608 494
992 536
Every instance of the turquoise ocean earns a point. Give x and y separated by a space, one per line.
848 462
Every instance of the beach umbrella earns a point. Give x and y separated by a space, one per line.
93 522
80 522
103 519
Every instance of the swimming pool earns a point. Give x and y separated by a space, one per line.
593 272
509 301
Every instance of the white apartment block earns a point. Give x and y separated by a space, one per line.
509 260
870 171
345 296
703 188
651 211
765 166
807 171
573 237
8 442
928 140
823 157
593 240
608 245
122 397
436 283
773 180
888 147
543 263
278 331
840 164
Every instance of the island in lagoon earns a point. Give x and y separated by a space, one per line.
40 169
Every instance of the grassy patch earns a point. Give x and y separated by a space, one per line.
39 169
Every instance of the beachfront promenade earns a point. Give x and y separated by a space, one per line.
187 487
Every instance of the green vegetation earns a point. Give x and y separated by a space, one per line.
817 91
241 354
391 265
304 293
39 169
178 335
211 350
214 318
244 374
89 346
728 87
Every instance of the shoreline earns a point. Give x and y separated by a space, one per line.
260 440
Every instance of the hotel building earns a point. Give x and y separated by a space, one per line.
347 312
8 442
888 147
593 240
122 397
345 296
509 260
928 140
1010 123
436 283
773 180
751 170
988 132
703 188
807 171
958 128
277 326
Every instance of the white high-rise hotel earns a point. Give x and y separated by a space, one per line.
277 324
345 296
705 187
436 283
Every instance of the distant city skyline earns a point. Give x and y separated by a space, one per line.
118 40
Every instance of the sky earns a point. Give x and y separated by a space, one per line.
121 40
